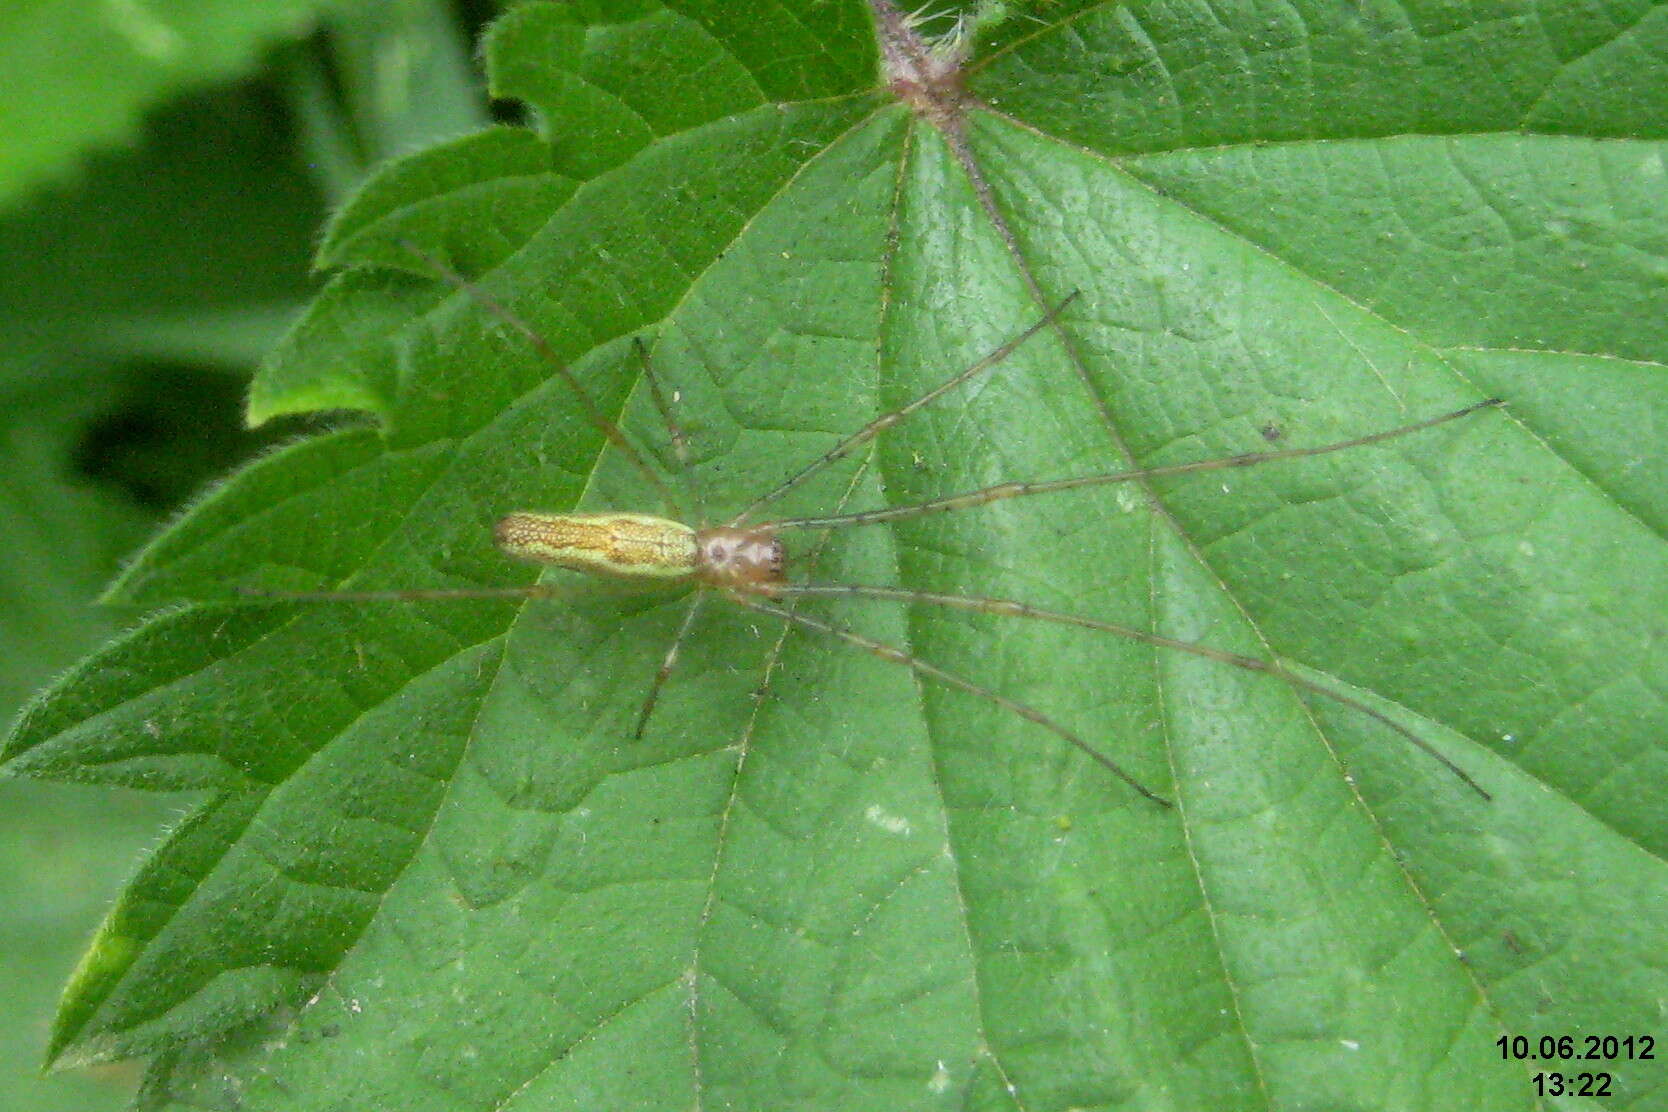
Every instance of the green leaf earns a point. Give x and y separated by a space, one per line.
192 249
437 873
64 852
396 77
101 65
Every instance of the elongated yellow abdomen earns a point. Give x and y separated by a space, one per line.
628 546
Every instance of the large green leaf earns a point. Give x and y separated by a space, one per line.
436 874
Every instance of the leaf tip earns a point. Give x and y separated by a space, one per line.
268 402
106 960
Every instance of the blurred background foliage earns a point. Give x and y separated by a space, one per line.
165 166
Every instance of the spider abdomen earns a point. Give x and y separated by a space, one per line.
620 545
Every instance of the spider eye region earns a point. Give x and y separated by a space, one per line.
739 558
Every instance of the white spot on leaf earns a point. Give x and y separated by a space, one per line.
892 824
